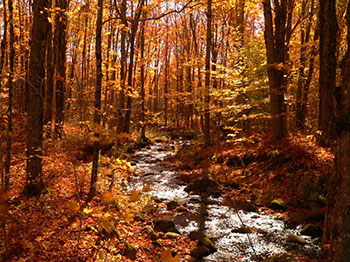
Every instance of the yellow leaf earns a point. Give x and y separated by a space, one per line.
135 195
167 256
73 205
128 216
107 225
101 254
107 198
87 210
146 188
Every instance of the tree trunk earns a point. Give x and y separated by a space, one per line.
35 97
276 50
3 41
10 99
142 80
97 113
336 238
60 49
206 130
328 66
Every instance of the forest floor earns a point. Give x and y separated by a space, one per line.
116 225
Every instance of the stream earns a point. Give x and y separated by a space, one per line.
267 234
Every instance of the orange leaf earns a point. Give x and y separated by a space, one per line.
107 197
146 188
135 195
167 256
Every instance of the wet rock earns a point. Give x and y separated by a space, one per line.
206 242
195 235
278 205
295 239
172 235
316 215
172 205
281 258
129 251
164 225
201 185
242 230
311 230
244 205
200 252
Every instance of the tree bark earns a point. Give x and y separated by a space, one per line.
328 66
97 113
35 97
276 51
206 130
336 238
3 41
60 49
10 99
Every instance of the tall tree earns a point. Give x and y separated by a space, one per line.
276 51
328 66
336 245
98 88
10 102
60 44
4 40
206 130
35 86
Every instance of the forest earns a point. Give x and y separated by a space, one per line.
176 130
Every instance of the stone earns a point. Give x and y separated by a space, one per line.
147 229
281 258
295 239
164 225
242 230
206 242
195 235
277 204
200 252
172 235
129 251
172 205
244 205
202 185
312 231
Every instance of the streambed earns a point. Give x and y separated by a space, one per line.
267 235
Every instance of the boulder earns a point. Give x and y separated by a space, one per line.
278 204
172 235
195 235
244 205
200 252
164 225
202 185
312 231
129 251
172 205
295 239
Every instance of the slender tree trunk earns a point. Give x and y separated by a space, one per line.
206 130
97 113
36 88
60 49
336 238
3 42
50 70
328 66
142 80
10 102
166 75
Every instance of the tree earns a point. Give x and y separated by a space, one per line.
336 247
276 52
206 130
97 112
10 103
328 65
60 44
35 86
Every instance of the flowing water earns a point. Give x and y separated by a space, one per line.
267 234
